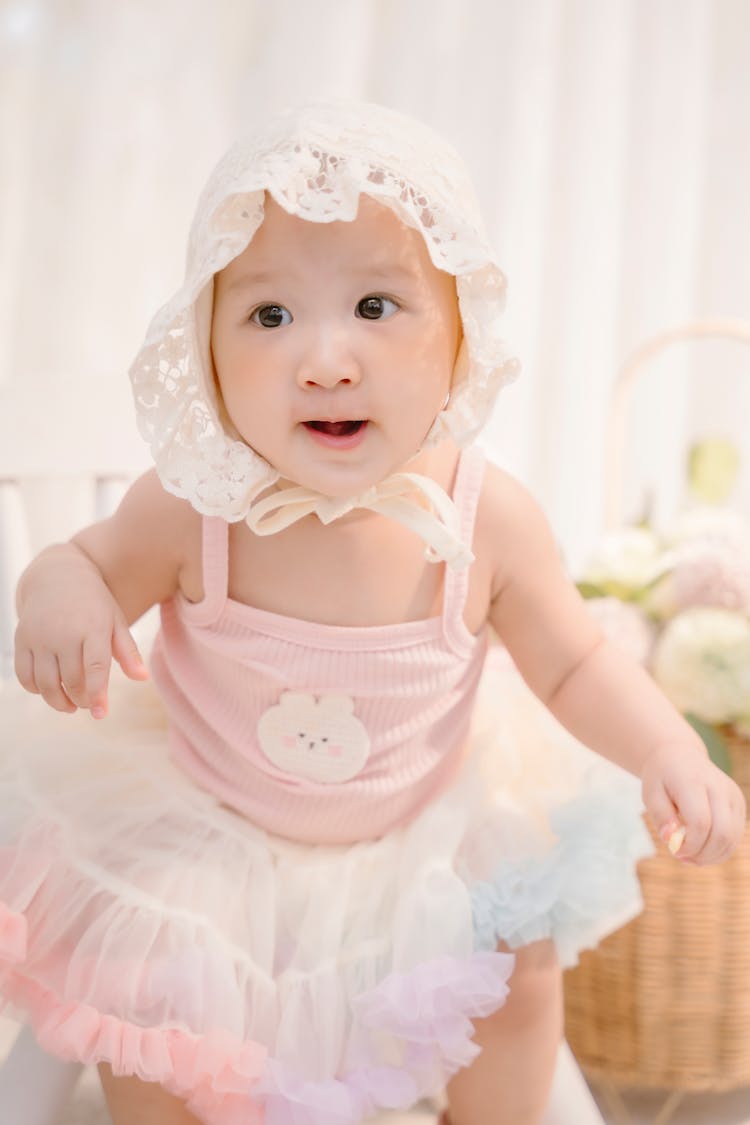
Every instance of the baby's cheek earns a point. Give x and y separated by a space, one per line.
289 741
335 751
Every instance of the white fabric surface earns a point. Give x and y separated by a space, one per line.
497 856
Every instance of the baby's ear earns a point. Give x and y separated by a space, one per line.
290 699
335 705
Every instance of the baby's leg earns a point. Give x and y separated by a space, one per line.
510 1082
133 1102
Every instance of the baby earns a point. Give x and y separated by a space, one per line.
300 889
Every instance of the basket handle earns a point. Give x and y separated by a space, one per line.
629 374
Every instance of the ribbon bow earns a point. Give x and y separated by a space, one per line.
438 525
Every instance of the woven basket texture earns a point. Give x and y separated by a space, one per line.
665 1001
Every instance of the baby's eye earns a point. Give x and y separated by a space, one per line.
376 307
271 316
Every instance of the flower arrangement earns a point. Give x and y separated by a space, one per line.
679 600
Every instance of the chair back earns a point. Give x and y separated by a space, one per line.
67 454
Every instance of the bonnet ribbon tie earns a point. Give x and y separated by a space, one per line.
438 525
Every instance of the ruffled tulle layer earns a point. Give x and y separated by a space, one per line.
146 925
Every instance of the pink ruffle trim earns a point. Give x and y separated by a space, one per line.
226 1082
214 1072
13 935
433 1005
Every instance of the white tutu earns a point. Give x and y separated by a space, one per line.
145 924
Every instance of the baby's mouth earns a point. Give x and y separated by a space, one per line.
337 429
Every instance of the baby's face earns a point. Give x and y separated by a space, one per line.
334 345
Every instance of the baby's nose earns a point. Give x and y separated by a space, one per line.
328 360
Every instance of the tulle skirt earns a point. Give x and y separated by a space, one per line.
267 982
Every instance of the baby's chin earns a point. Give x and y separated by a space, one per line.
339 481
342 487
346 481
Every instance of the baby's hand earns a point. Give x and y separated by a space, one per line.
698 811
69 628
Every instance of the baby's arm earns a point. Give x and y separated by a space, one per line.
76 600
606 700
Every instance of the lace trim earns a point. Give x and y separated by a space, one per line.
315 162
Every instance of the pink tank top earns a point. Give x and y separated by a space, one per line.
320 733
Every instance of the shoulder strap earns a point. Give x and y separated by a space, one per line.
215 565
466 492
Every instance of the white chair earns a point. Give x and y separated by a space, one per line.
67 454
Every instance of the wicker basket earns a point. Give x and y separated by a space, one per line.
665 1001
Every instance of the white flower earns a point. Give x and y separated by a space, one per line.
702 662
625 625
627 559
709 572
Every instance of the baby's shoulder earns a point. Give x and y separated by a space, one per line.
511 529
152 531
156 512
504 501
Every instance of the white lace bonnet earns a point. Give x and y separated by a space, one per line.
315 162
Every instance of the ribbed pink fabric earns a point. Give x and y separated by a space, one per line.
220 665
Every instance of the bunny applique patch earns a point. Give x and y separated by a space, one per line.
320 739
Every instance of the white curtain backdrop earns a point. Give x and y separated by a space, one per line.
609 139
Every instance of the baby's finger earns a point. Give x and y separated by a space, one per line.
49 682
72 677
661 809
697 816
24 669
728 823
97 659
126 653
